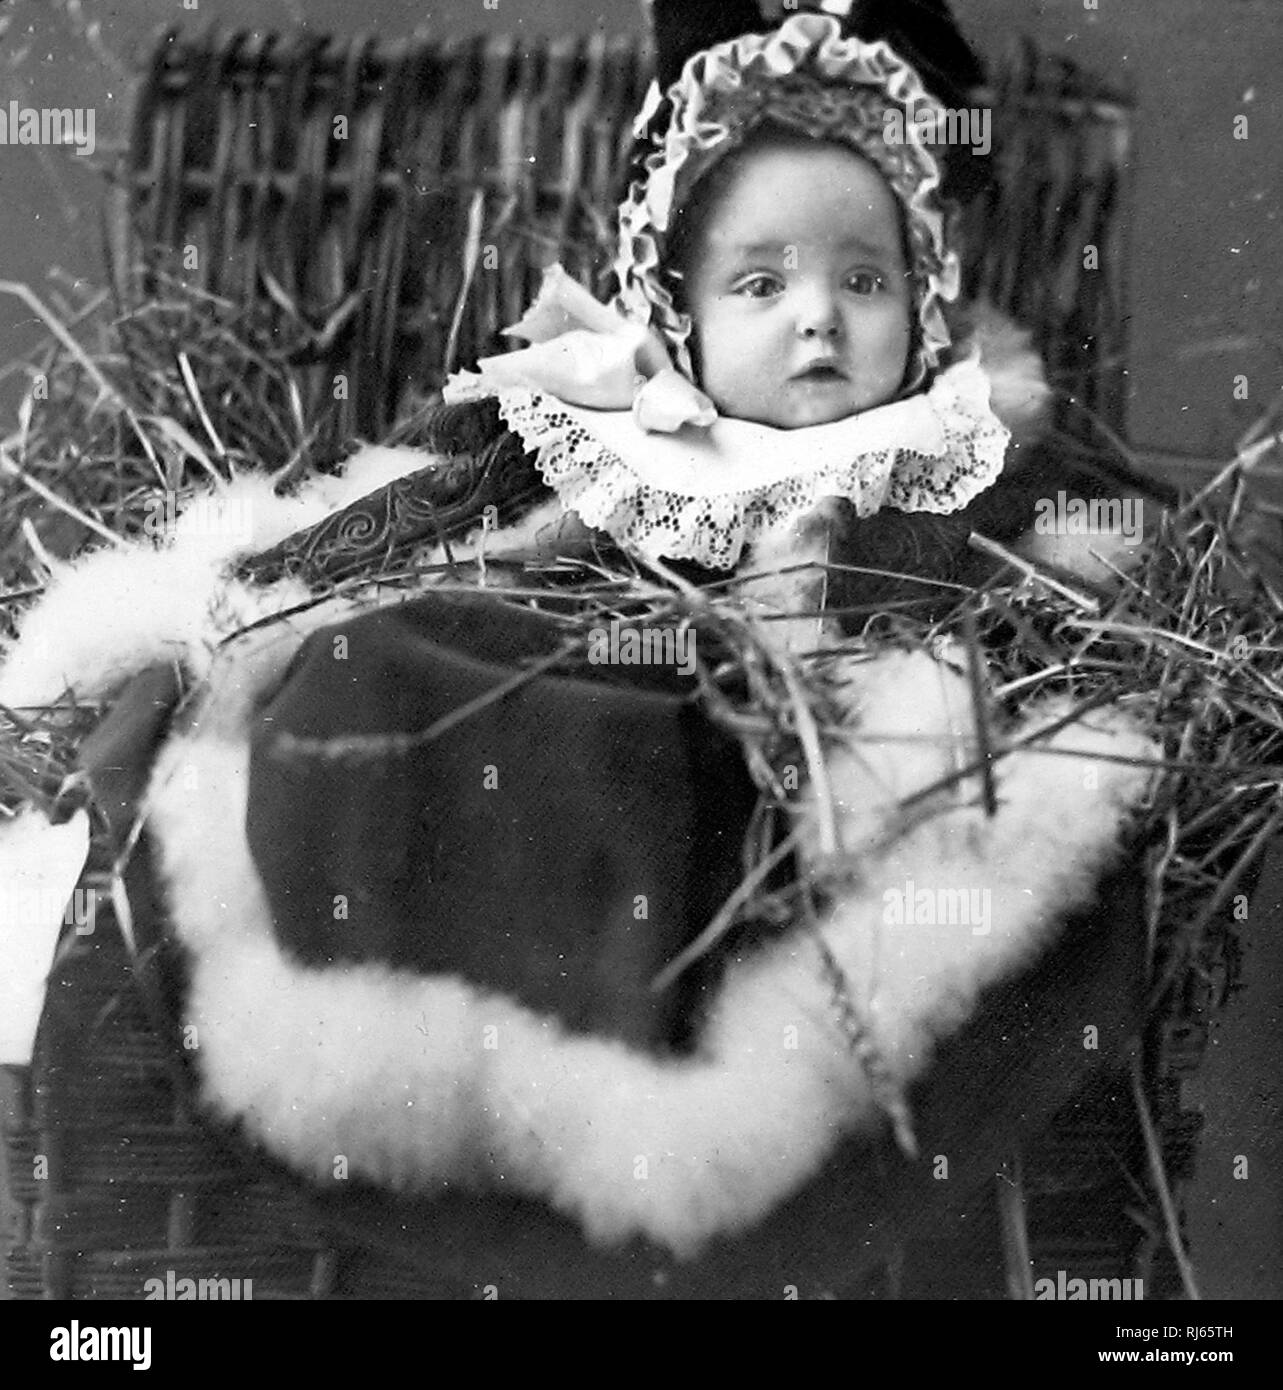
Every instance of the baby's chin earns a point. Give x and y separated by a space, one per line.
800 405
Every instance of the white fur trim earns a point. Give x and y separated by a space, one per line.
108 614
1037 859
393 1071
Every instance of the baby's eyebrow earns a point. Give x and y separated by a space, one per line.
777 248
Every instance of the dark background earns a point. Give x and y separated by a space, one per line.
1205 283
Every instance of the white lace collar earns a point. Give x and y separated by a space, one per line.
704 494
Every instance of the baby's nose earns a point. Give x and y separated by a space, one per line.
817 313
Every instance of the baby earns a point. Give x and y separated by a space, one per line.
778 342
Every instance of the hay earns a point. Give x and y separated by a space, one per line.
187 389
165 398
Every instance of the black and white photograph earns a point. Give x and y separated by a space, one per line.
641 659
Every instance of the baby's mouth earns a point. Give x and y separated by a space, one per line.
821 372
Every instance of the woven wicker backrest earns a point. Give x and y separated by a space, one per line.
407 196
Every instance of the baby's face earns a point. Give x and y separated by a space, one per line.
798 291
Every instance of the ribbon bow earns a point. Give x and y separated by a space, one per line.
584 353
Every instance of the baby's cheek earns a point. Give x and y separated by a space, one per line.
886 340
726 359
899 331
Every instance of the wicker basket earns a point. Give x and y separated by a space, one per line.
357 243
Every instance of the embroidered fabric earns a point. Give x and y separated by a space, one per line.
806 76
705 495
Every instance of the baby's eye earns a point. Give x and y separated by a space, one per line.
866 282
759 285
